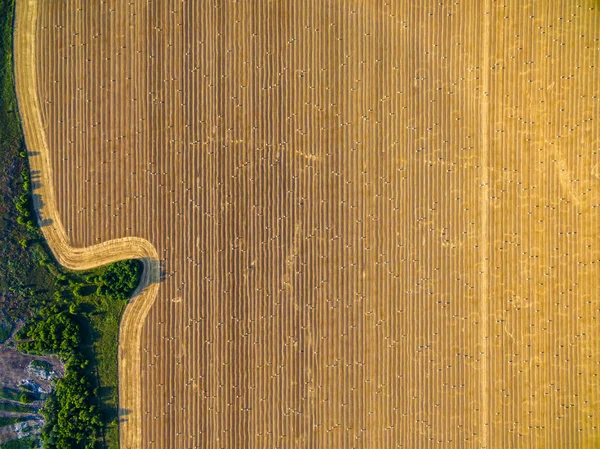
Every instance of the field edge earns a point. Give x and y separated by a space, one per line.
26 12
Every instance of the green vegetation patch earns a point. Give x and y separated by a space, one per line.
54 331
23 443
73 420
23 396
9 420
83 330
5 330
42 365
9 393
22 279
13 407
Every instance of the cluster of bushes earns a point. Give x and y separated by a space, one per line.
9 420
120 279
9 393
42 365
27 397
12 407
24 396
22 443
72 418
54 332
24 205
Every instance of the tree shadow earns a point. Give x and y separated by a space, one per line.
122 413
86 308
35 176
110 412
36 184
156 275
162 271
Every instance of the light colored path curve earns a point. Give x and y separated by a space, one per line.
93 256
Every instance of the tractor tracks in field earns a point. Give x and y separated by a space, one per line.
484 244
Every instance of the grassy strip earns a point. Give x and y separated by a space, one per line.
13 407
73 314
10 420
10 394
104 333
24 443
23 396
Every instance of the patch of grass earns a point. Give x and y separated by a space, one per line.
5 331
27 397
103 331
12 407
9 393
10 420
23 443
42 365
32 395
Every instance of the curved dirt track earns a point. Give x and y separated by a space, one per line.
376 221
84 258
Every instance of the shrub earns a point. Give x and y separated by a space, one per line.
27 398
41 364
58 334
120 279
72 421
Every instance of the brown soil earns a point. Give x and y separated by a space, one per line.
14 364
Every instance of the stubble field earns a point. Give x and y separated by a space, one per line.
374 223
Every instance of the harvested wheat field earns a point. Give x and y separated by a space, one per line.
366 224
